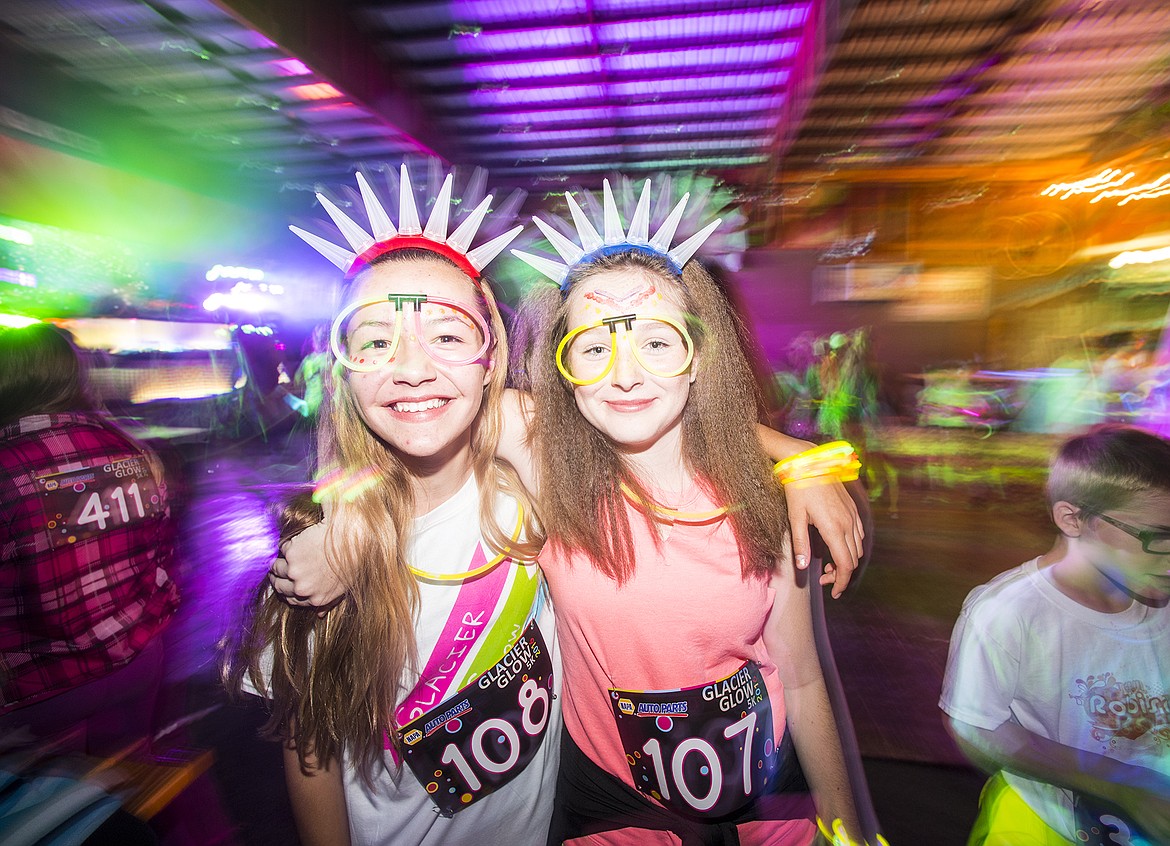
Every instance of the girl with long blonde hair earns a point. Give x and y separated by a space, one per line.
422 707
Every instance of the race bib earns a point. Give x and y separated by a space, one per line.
478 740
1097 827
703 751
79 504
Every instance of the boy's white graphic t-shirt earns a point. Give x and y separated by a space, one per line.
1023 651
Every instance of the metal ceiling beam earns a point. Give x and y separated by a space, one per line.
322 34
402 12
699 42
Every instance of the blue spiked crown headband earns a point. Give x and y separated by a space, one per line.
615 239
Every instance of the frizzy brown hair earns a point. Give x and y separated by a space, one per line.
582 505
334 680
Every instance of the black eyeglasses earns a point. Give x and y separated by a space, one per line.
1156 543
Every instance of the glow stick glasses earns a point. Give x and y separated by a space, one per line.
366 334
661 345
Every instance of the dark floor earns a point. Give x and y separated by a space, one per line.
889 634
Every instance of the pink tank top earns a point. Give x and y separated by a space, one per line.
686 617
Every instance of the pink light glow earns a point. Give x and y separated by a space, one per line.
290 67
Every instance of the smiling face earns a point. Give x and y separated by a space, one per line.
638 411
423 408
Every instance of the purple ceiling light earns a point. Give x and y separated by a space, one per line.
485 97
544 68
508 11
757 24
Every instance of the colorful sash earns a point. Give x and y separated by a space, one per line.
473 622
484 735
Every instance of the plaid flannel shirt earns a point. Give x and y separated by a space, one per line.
86 553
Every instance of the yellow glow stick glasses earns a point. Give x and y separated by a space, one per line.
660 344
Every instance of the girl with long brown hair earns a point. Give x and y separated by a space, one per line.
691 673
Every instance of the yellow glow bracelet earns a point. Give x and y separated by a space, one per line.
478 571
840 837
835 460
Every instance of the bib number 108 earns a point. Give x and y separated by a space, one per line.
478 740
529 695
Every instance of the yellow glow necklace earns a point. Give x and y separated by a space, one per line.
674 515
478 571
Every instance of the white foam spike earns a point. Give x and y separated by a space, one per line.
476 189
434 176
590 240
665 234
663 201
464 234
625 194
569 251
701 191
407 211
390 181
591 205
484 253
683 252
554 270
614 234
437 223
340 256
640 224
508 209
357 237
379 220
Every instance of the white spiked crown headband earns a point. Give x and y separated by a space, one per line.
615 239
410 233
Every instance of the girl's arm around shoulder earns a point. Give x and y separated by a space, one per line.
302 574
788 637
514 446
825 505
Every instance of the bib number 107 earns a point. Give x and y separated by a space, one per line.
700 799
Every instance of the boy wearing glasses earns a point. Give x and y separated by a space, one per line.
1058 679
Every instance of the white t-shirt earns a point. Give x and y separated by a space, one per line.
397 811
1023 651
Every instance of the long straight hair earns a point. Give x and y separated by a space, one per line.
582 505
336 680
